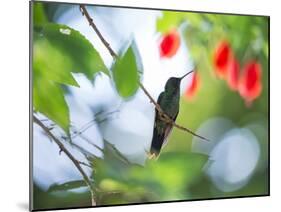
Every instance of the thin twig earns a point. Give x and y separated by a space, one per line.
90 124
70 156
92 24
163 115
89 142
85 164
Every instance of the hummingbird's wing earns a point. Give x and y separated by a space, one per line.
158 132
168 131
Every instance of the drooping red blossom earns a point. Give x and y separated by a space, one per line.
193 87
169 44
250 85
233 71
222 56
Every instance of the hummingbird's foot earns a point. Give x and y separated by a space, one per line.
151 156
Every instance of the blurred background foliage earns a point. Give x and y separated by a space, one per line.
248 36
178 173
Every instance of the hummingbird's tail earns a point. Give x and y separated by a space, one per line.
156 144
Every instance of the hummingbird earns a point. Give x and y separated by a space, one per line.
169 103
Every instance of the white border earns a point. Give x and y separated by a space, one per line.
14 103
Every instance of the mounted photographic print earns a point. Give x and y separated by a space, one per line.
138 105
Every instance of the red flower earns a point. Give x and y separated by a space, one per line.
233 70
193 87
250 85
222 56
169 44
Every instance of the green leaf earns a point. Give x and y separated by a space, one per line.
39 15
51 63
67 186
125 74
79 52
58 51
166 178
169 20
173 172
48 98
113 164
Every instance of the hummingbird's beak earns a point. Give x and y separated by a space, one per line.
186 75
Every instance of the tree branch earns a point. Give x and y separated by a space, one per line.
163 115
70 156
92 24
